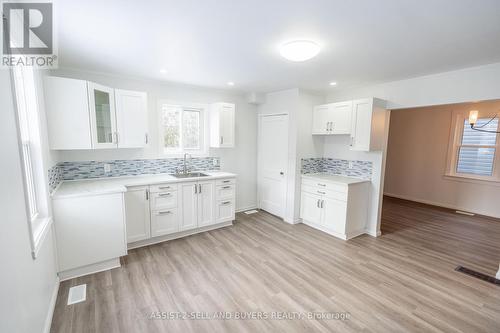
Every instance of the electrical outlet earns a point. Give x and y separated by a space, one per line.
350 165
107 168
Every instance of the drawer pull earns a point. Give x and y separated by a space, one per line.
164 212
319 184
225 203
226 187
226 181
164 187
320 192
164 194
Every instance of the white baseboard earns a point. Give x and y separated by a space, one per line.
373 233
430 202
160 239
239 210
52 307
89 269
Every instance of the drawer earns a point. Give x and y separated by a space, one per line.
324 185
162 188
224 211
163 200
225 192
225 181
324 192
164 222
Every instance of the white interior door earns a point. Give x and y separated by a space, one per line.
273 159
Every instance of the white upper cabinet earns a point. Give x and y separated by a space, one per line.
368 126
363 119
102 116
334 118
86 115
131 118
67 108
222 116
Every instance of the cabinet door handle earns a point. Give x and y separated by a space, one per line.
164 194
147 194
146 138
164 212
221 140
317 203
195 188
199 186
225 203
322 202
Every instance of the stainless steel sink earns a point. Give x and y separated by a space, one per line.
189 175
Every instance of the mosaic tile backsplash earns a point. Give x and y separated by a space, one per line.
95 169
360 169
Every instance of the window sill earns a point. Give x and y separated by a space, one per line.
472 179
41 227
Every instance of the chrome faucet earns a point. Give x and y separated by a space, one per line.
185 165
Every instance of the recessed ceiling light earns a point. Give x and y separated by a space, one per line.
299 50
230 83
163 71
333 83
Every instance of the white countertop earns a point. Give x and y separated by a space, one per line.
75 188
335 178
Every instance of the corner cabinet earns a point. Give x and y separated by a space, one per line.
364 120
222 123
368 124
86 115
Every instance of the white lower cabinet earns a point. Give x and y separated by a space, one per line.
164 222
206 203
137 213
89 229
163 209
224 211
338 208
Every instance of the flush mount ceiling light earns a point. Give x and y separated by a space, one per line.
299 50
333 83
163 71
230 83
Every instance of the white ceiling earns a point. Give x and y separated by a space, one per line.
210 42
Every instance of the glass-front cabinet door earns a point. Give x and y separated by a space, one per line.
102 116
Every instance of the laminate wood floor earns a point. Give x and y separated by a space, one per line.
403 281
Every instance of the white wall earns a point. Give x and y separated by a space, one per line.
240 160
417 160
461 86
27 285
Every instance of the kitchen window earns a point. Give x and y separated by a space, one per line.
475 154
34 174
182 129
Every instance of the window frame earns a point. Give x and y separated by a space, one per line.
455 142
204 139
34 175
